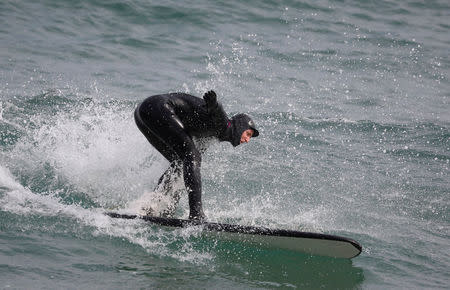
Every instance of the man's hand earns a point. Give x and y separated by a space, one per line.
210 98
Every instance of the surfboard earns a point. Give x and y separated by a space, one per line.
297 241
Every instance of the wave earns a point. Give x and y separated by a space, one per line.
78 147
319 123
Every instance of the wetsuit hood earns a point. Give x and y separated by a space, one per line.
240 123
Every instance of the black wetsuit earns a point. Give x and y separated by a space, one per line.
171 121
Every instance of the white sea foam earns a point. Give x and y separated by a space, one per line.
154 203
98 150
19 200
7 181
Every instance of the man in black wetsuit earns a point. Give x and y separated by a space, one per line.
171 121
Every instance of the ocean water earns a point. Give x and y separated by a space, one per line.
352 102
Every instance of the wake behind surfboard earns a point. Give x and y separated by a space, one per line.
303 242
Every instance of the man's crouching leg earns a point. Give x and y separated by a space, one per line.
192 180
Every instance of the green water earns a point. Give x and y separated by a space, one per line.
351 99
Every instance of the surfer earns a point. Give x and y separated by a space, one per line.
171 123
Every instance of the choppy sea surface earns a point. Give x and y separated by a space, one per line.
352 102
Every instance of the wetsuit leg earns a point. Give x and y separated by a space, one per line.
159 123
144 123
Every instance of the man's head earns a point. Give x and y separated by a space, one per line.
243 129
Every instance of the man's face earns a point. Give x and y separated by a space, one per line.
246 135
